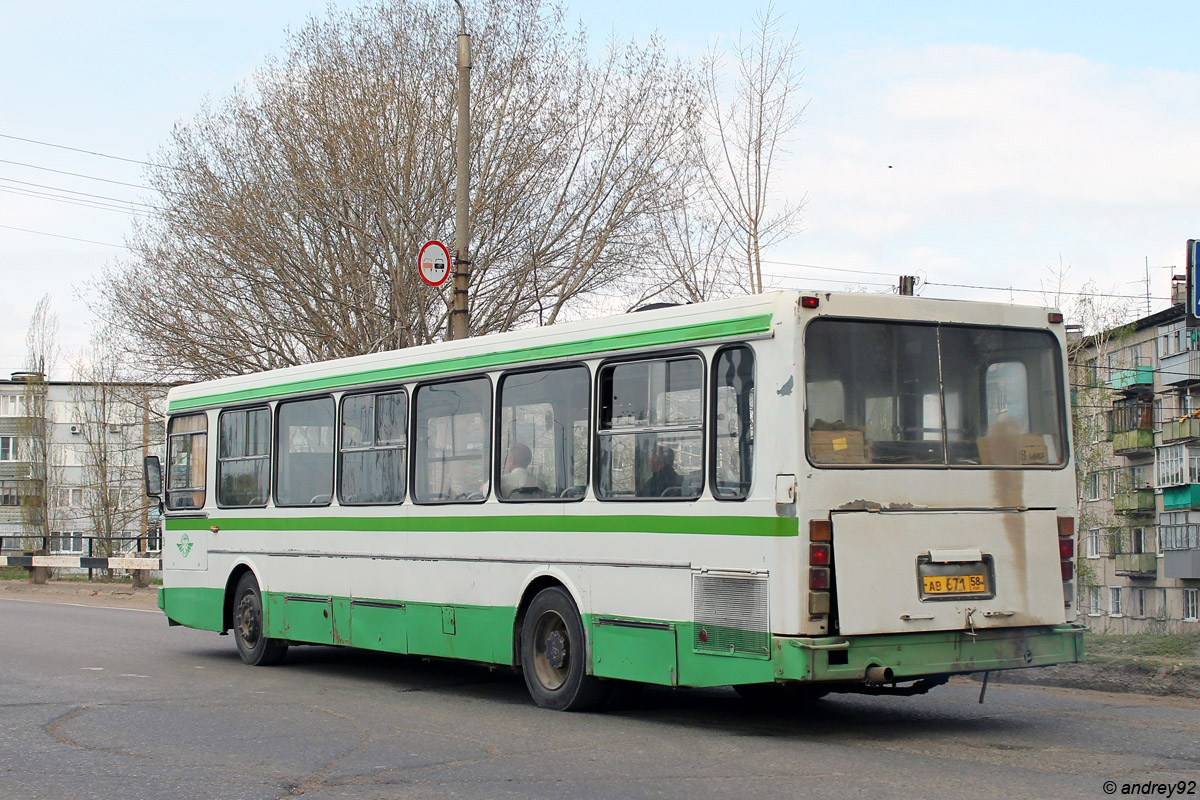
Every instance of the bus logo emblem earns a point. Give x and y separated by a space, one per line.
185 546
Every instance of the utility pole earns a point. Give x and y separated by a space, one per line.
459 319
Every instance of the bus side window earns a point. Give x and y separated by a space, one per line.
244 457
187 451
304 475
733 422
453 427
543 444
373 449
650 431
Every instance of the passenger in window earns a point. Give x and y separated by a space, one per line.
517 478
663 477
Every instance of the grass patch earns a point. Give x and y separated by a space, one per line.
14 574
1109 647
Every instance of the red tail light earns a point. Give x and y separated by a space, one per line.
1066 546
818 555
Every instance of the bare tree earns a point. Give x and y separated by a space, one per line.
748 132
36 432
113 415
293 211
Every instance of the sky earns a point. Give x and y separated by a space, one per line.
986 148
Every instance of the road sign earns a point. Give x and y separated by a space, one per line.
433 263
1193 283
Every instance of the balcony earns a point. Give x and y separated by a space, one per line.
1183 564
1132 379
1127 442
1134 501
1180 429
1137 565
1180 498
1180 368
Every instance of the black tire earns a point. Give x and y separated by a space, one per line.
554 655
248 626
779 696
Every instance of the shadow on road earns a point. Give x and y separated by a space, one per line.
948 711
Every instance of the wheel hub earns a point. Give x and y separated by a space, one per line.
556 650
247 622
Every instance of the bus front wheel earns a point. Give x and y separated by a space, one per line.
554 655
248 630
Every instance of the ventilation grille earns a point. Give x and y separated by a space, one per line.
731 615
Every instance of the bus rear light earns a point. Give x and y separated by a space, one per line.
1054 317
1068 570
1066 526
820 530
809 302
818 578
818 555
1066 548
818 603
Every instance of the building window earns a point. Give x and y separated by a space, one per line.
66 542
8 448
1092 601
1179 530
1093 543
12 405
1114 601
1191 604
1137 602
10 493
70 498
1092 486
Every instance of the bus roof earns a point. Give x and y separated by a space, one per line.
742 317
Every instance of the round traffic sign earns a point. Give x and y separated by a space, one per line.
433 263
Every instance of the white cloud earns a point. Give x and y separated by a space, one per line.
982 164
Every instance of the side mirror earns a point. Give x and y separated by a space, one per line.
154 482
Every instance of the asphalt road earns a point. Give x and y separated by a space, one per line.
102 702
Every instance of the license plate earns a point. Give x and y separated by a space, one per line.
954 584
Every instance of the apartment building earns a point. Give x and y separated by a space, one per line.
71 465
1136 397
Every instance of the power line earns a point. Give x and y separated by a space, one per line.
73 202
1041 291
77 175
82 194
88 152
60 236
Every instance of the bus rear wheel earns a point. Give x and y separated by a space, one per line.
554 655
255 648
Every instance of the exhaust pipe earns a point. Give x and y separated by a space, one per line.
877 675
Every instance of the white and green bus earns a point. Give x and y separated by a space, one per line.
789 493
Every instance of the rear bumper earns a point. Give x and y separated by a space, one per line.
917 655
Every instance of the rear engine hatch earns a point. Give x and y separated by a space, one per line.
901 571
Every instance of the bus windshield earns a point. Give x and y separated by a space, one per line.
887 393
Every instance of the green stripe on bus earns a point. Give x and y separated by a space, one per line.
721 526
743 326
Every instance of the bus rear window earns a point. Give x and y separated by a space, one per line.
908 394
